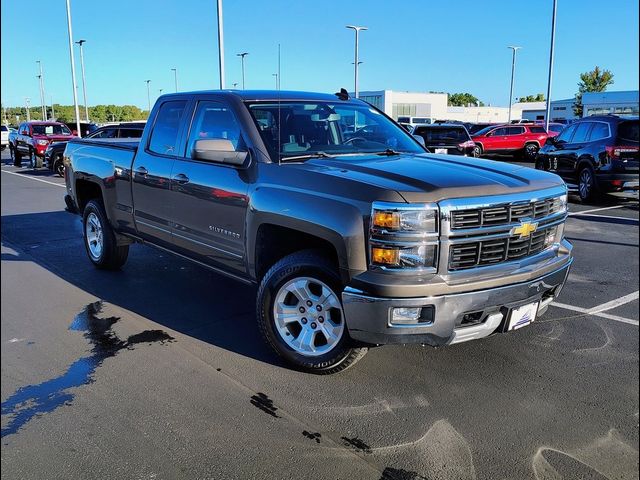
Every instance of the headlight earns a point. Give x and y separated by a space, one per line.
42 142
564 203
404 236
405 220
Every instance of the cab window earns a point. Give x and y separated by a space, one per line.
213 121
164 137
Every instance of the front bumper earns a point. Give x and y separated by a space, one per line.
368 318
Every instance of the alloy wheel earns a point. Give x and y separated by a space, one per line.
308 316
95 237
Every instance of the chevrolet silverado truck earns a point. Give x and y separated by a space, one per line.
354 235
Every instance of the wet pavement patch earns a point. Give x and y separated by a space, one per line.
312 436
357 444
264 403
35 400
400 474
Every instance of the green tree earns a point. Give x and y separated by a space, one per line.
463 99
594 81
532 98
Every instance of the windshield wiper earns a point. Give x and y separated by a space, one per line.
308 156
389 152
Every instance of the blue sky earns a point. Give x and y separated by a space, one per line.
450 46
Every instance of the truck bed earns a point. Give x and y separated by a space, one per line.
125 143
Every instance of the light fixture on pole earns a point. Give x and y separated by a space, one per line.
43 101
242 55
84 85
73 70
235 84
220 45
551 51
357 29
148 95
175 78
513 72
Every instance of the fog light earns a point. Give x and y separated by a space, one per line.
385 256
406 315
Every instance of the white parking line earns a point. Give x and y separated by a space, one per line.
598 311
611 217
33 178
595 210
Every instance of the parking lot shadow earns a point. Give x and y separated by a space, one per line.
160 287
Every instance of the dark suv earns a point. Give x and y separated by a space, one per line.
446 138
596 154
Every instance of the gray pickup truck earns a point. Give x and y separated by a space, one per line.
354 234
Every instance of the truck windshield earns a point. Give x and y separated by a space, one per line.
53 129
295 129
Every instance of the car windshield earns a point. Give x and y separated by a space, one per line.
300 129
485 130
51 129
443 134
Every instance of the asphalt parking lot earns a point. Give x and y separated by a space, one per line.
158 371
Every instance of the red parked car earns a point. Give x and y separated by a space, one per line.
524 139
33 138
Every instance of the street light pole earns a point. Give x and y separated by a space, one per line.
277 81
73 70
53 112
175 78
84 85
220 45
513 71
242 55
551 52
27 106
42 94
148 96
357 29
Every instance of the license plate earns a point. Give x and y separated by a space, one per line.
442 150
523 316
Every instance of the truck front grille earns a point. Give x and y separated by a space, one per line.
504 215
493 251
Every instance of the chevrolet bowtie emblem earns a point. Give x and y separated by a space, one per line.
525 229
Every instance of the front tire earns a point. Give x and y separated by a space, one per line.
58 166
99 238
531 151
477 150
17 157
300 314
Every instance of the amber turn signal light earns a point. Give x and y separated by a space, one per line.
386 219
385 256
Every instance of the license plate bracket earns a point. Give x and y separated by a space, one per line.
523 315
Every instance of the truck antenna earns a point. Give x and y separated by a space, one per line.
279 117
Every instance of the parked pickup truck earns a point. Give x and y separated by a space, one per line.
355 237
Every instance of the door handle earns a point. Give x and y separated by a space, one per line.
180 178
142 171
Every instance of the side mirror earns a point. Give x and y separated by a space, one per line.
420 140
74 132
551 141
218 150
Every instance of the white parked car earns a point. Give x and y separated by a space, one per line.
5 136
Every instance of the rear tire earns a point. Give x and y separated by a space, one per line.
99 238
587 187
300 314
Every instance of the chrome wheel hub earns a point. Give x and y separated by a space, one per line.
95 237
308 316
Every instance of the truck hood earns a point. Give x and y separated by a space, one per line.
54 138
431 178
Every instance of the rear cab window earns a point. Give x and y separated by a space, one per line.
164 136
628 131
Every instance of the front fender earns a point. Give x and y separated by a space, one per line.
333 219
